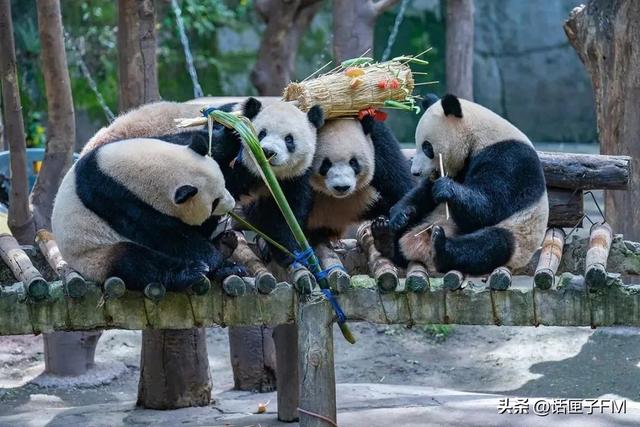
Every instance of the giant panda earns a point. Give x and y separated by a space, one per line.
359 172
494 187
133 209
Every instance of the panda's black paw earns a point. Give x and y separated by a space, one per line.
383 236
183 278
400 215
438 240
229 268
443 189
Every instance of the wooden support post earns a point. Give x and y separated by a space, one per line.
286 340
18 261
500 279
155 291
302 279
381 268
315 363
339 279
114 287
242 253
453 280
417 277
549 260
74 285
600 239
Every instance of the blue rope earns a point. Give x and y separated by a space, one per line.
324 273
336 307
302 257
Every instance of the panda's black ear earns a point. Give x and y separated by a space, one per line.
367 124
451 106
251 108
429 100
200 143
316 116
184 193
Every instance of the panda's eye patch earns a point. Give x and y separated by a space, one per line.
262 134
427 149
291 145
355 165
324 167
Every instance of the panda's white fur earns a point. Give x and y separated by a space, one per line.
153 119
459 138
153 171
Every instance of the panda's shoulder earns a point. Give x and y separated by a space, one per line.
507 150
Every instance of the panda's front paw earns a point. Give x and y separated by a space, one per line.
443 189
383 236
400 215
229 268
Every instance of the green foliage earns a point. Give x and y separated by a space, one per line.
439 332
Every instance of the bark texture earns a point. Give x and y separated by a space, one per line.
353 25
286 21
253 358
606 36
137 53
61 127
20 217
459 48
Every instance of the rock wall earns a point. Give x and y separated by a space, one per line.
525 69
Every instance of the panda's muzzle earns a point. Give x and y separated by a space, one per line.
223 204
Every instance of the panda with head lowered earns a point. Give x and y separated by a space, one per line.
494 187
134 208
359 172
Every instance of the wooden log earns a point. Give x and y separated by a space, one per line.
381 268
417 277
339 279
600 238
23 270
500 279
549 260
302 279
580 171
265 281
234 286
114 287
566 207
453 280
155 292
286 341
315 363
202 286
75 285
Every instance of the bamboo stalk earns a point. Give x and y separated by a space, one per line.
75 285
600 239
23 270
417 277
549 260
264 280
446 205
381 268
500 279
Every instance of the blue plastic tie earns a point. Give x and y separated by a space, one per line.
207 111
302 257
336 307
324 273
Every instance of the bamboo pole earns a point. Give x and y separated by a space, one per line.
75 285
600 238
500 279
417 277
265 281
549 260
453 280
23 270
338 277
381 268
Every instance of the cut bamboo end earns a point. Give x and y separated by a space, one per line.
202 286
338 278
544 278
23 270
453 280
302 279
74 285
234 286
265 282
155 291
37 289
500 279
387 280
381 268
600 239
549 261
417 277
114 287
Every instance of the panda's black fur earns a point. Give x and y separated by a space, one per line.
258 206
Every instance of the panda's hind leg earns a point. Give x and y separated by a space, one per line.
476 253
138 266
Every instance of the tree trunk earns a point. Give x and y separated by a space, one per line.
20 218
459 48
353 26
606 35
3 141
137 53
253 358
65 353
174 367
286 24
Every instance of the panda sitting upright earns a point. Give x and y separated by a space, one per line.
494 188
133 209
359 172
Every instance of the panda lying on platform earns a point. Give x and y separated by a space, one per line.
359 172
494 188
133 209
